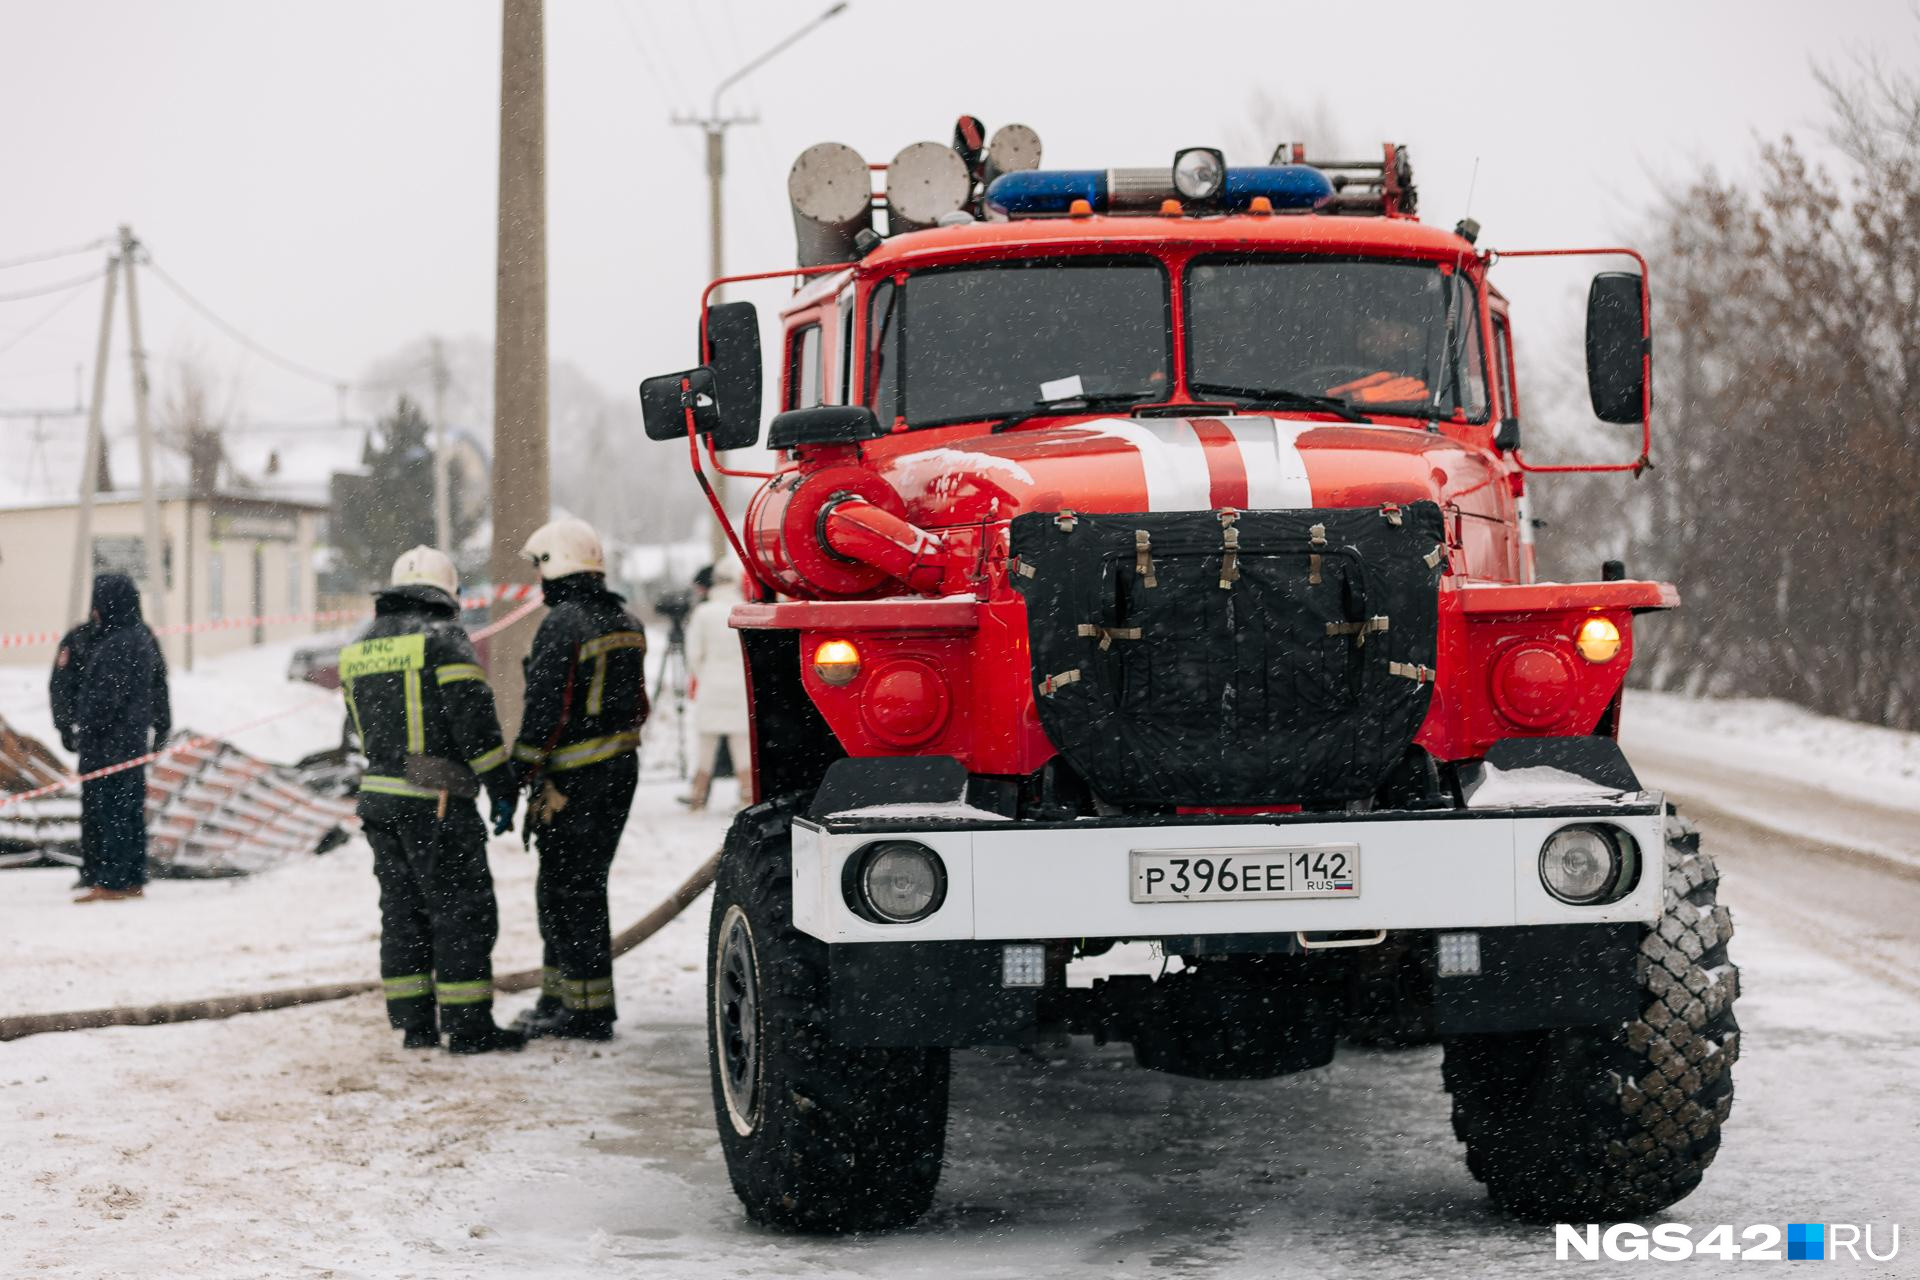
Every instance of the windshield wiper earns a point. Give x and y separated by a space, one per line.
1086 400
1282 398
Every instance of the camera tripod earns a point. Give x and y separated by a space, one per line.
673 675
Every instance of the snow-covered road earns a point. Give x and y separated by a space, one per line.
307 1143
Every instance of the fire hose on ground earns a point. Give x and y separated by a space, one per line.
154 1015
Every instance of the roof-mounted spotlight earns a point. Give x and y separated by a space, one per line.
1199 174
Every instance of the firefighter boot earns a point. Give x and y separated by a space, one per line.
546 1009
573 1024
487 1039
696 797
420 1038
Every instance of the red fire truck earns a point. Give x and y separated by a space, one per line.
1148 560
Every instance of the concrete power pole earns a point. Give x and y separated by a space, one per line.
156 592
520 498
442 501
79 593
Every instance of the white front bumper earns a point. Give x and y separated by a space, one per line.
1474 869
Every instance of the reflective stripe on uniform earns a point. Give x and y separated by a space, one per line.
464 992
381 785
587 993
527 754
578 755
459 671
598 650
614 640
411 987
353 709
416 717
489 760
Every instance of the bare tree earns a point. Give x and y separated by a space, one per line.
193 422
1788 350
1271 118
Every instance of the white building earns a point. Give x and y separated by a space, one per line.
226 558
241 547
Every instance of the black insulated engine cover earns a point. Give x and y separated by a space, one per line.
1232 658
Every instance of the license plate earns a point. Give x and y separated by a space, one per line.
1245 875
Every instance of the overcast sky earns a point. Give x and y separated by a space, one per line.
323 175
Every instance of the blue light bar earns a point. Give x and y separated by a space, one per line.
1026 193
1031 193
1288 186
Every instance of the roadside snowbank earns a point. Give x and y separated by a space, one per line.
1777 739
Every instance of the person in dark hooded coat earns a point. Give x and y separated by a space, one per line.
63 695
121 712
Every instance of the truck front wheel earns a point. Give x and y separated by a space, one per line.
1594 1124
818 1137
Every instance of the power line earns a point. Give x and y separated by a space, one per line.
51 254
45 316
655 76
56 287
700 29
234 332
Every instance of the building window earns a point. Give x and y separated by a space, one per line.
216 588
292 554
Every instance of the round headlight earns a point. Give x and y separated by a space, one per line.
1586 865
1199 173
900 881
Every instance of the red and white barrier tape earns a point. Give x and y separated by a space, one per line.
505 591
66 784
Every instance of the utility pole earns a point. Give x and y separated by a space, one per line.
78 592
442 501
715 126
149 499
520 498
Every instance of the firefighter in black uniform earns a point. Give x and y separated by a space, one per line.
576 755
425 716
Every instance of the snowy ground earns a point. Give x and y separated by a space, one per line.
306 1143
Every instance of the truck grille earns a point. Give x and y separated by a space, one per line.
1228 658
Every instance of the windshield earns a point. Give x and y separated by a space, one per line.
969 343
1392 337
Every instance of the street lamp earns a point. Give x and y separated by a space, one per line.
716 126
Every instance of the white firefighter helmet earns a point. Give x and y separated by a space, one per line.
562 547
426 567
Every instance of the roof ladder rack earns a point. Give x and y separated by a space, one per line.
1383 186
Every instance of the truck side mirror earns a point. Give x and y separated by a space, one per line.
1616 347
664 401
732 348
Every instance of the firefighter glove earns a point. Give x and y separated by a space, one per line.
503 807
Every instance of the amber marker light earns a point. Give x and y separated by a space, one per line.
836 661
1598 640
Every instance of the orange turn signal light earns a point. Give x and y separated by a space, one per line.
1080 209
1171 208
1598 640
836 661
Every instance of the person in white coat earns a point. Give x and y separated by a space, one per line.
719 684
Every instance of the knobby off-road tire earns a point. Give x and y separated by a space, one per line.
818 1137
1594 1124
